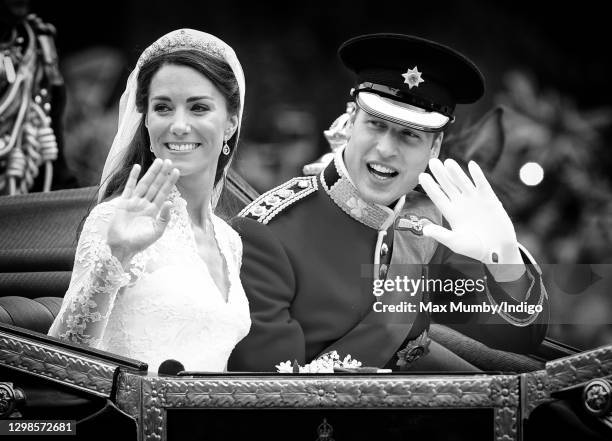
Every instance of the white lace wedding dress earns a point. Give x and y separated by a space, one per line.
166 306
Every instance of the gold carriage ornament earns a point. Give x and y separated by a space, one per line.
28 72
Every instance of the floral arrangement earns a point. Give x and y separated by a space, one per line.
325 363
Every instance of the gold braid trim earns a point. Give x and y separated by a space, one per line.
268 205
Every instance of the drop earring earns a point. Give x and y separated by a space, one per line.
226 149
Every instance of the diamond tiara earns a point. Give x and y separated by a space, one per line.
179 41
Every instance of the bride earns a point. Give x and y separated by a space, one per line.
156 274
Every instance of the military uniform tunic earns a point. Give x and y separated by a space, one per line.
308 272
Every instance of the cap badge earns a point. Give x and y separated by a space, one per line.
412 77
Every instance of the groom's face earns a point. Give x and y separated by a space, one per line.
384 159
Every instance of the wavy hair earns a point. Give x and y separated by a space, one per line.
138 152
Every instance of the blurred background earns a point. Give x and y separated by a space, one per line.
547 151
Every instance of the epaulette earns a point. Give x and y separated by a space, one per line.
268 205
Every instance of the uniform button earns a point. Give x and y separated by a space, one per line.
382 272
384 249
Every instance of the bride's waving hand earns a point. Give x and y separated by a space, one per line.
143 211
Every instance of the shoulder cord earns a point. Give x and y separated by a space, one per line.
26 138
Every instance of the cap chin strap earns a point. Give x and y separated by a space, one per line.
403 97
384 108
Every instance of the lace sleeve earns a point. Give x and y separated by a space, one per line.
97 277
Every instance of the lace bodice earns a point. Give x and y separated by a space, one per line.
165 305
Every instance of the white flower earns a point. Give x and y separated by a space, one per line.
284 367
318 366
349 362
324 364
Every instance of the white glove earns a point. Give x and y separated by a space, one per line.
480 227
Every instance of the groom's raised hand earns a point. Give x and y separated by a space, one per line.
480 228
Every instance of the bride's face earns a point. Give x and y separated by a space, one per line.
187 120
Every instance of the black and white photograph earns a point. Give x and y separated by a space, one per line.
342 220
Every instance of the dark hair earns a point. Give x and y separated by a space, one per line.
215 69
433 141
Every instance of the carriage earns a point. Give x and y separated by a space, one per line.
98 395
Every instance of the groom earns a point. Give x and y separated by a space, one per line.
342 261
